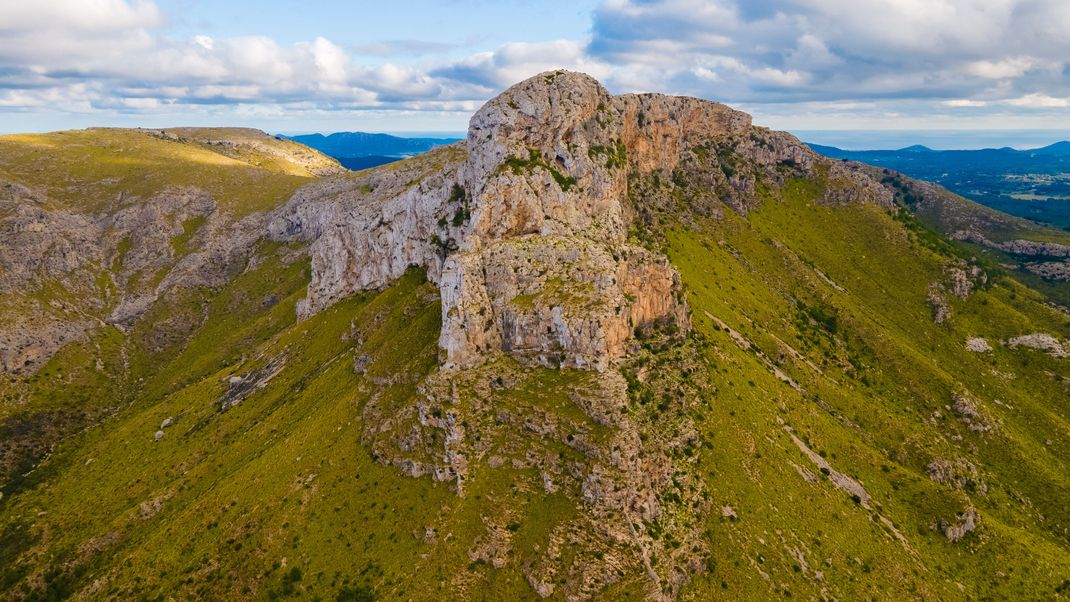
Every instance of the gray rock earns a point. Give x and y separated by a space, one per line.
524 226
1041 341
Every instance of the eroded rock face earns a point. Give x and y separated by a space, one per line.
1041 341
367 230
562 301
113 265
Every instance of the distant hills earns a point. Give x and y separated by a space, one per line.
361 150
1032 183
1058 149
1061 149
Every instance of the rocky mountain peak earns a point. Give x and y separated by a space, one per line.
551 155
526 231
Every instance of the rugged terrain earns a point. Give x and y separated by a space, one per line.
608 347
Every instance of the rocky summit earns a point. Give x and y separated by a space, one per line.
607 347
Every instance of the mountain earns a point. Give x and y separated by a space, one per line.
1061 149
609 347
360 150
1034 184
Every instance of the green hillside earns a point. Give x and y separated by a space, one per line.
276 498
859 408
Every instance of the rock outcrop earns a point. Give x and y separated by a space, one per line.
367 229
111 266
526 227
1041 341
561 301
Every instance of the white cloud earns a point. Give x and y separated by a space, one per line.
964 103
91 17
1039 101
847 57
1010 67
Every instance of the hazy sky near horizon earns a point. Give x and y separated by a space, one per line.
289 66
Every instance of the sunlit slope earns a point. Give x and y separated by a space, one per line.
835 300
99 169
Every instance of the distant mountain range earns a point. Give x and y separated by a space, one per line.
1059 149
361 150
1032 183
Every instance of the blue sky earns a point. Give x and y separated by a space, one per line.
426 66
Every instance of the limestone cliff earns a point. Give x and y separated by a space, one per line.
526 229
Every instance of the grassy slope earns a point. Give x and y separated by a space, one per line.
950 213
102 170
277 483
874 422
86 170
276 497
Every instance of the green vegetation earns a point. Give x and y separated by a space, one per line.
535 159
180 243
616 154
459 197
813 361
874 373
94 169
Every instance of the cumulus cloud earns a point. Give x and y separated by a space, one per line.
834 49
876 57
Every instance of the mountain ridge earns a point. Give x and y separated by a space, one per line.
608 346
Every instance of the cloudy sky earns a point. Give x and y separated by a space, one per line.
329 65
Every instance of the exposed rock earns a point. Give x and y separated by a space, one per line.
561 301
1041 342
840 480
960 280
241 387
158 436
167 422
978 345
961 285
966 522
959 474
1052 270
1026 248
361 361
941 311
968 409
525 227
134 238
368 230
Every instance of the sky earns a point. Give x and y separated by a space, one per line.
330 65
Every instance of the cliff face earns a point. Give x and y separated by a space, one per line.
367 229
526 227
